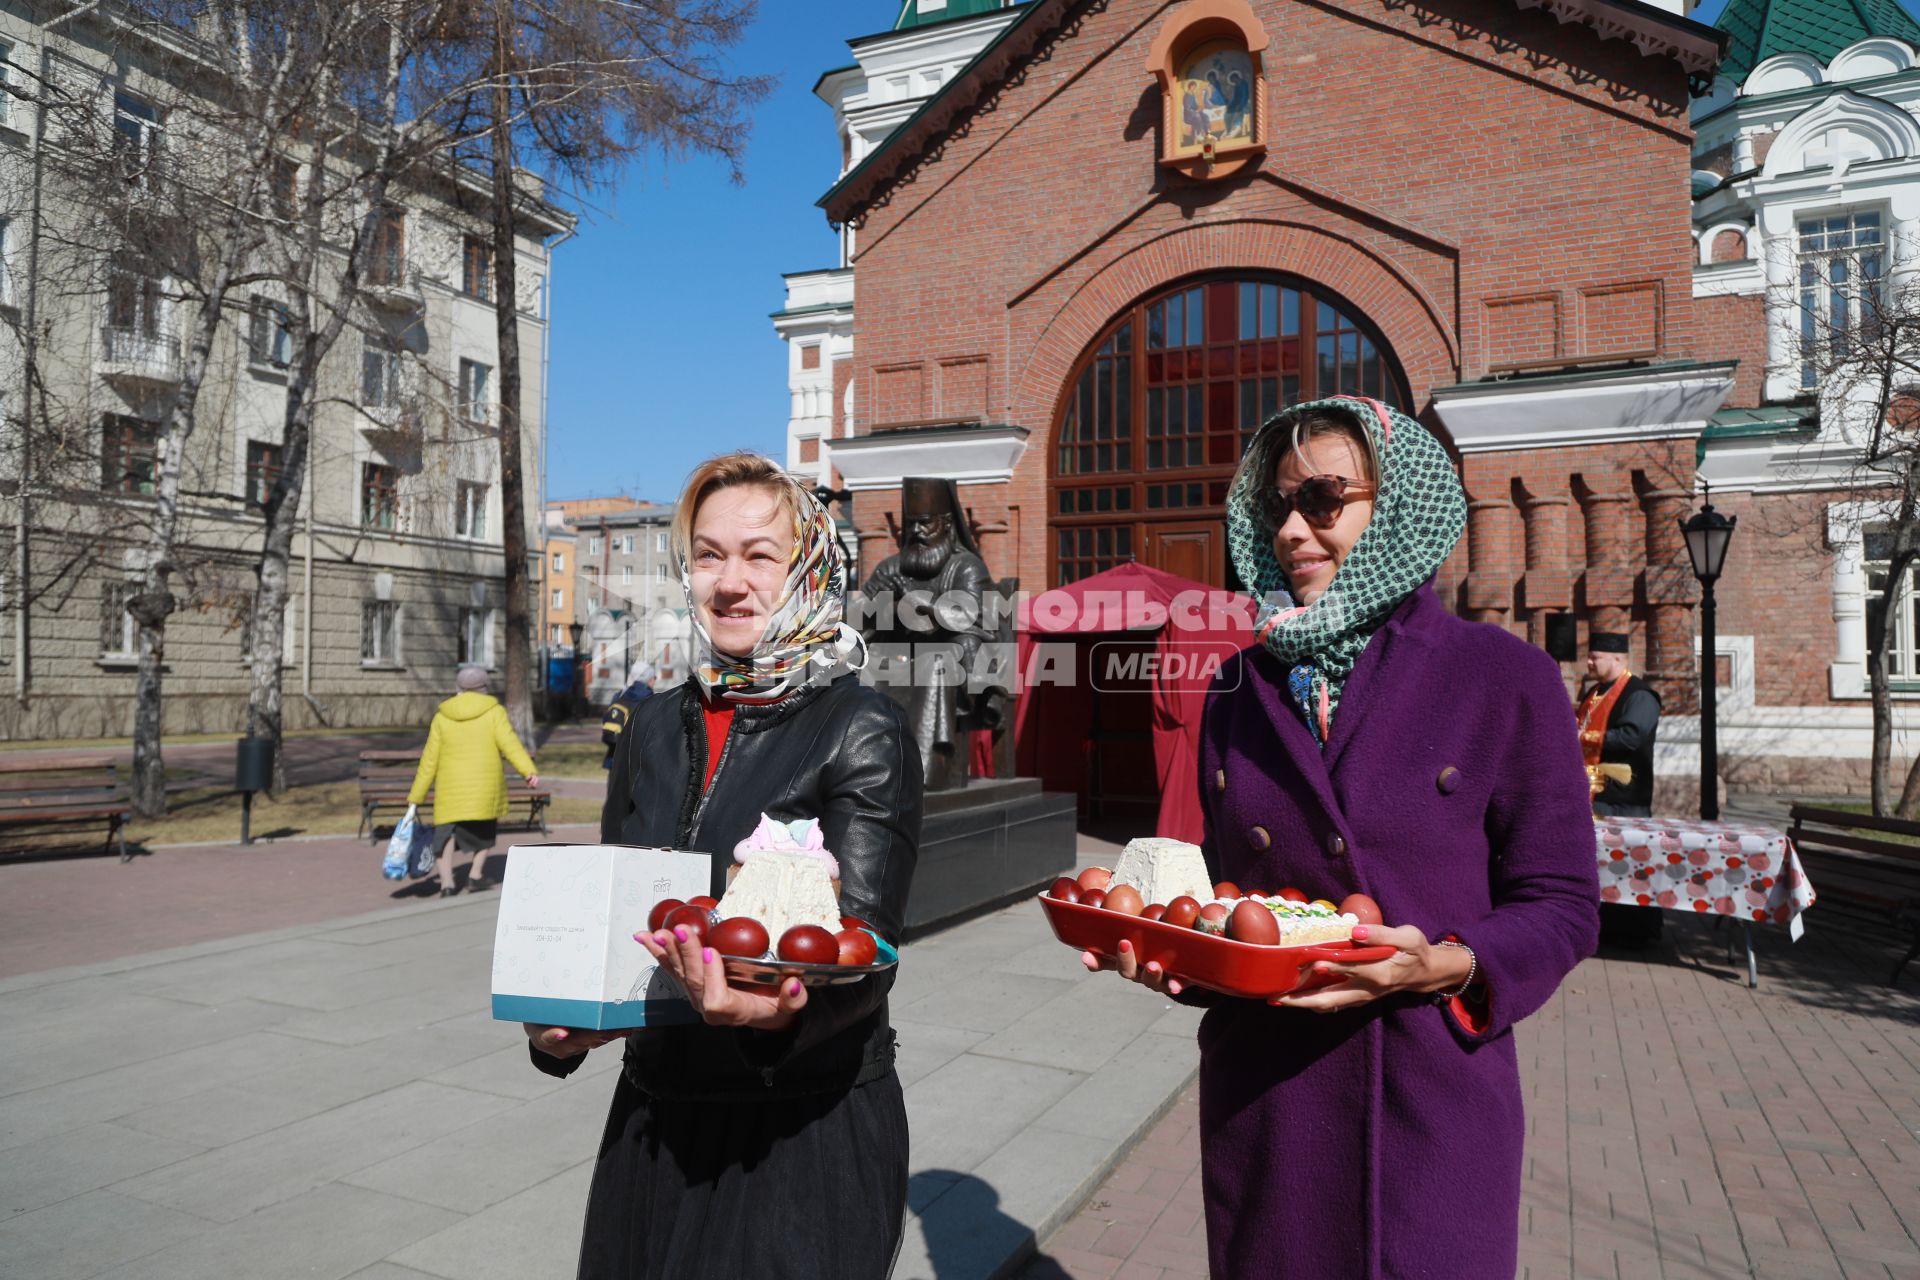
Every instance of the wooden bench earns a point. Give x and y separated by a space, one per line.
387 776
51 796
1874 880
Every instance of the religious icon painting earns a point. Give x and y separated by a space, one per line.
1206 59
1216 97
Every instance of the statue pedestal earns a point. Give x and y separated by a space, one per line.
985 845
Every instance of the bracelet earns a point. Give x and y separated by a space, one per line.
1466 984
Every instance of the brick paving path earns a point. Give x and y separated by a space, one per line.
1680 1126
81 910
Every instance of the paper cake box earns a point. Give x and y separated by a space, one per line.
563 950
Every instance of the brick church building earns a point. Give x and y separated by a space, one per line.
1088 245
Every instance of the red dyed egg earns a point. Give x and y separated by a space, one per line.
656 918
692 918
1182 911
1094 898
1125 899
857 946
1252 922
702 901
1065 889
1227 889
855 922
1212 918
1153 912
741 936
1361 908
1291 894
809 944
1096 878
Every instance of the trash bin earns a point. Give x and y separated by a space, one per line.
253 764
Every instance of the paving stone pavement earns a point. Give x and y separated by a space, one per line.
1679 1126
332 1099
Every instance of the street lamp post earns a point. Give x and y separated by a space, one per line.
1707 533
579 692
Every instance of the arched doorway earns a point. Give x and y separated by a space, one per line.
1163 402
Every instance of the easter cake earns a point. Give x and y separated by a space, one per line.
1163 869
783 876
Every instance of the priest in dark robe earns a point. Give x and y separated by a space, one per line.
1619 717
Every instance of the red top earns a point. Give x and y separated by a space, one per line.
1474 1014
719 719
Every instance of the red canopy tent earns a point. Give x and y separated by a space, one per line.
1172 635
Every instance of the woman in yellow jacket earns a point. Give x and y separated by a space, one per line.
461 766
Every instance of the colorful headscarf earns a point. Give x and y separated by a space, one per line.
807 629
1419 513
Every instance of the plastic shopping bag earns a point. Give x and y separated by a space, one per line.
394 867
420 852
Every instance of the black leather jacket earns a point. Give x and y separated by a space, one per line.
839 752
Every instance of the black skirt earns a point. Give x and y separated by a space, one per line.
785 1189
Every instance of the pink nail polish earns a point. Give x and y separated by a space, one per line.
1360 933
706 954
793 988
680 932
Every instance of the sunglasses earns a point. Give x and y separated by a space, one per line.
1318 499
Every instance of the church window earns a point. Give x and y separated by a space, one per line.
1900 632
1161 408
1842 265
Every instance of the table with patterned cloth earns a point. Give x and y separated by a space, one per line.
1738 869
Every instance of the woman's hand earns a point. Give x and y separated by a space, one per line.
1128 966
699 970
1418 966
567 1042
533 780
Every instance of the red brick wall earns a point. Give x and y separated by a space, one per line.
1735 328
1049 213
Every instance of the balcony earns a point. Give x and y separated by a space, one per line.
139 357
393 285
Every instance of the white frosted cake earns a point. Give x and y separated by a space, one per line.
1163 869
784 876
1305 923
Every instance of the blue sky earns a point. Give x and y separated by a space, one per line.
662 352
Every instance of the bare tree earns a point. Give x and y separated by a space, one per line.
159 182
375 124
1864 347
573 89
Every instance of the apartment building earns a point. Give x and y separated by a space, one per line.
626 588
397 569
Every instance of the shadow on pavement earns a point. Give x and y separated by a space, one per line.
1836 965
962 1226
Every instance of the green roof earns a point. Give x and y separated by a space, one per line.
1759 29
920 13
1767 420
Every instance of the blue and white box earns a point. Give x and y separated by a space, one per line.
563 950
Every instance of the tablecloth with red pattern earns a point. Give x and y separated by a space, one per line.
1738 869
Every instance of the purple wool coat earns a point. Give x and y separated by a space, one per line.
1386 1141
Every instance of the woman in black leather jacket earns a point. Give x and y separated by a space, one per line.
769 1140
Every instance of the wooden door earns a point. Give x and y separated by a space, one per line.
1194 550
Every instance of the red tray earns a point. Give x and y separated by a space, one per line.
1204 960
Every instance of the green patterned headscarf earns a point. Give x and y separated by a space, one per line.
1419 513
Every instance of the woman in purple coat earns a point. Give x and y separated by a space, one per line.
1374 743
